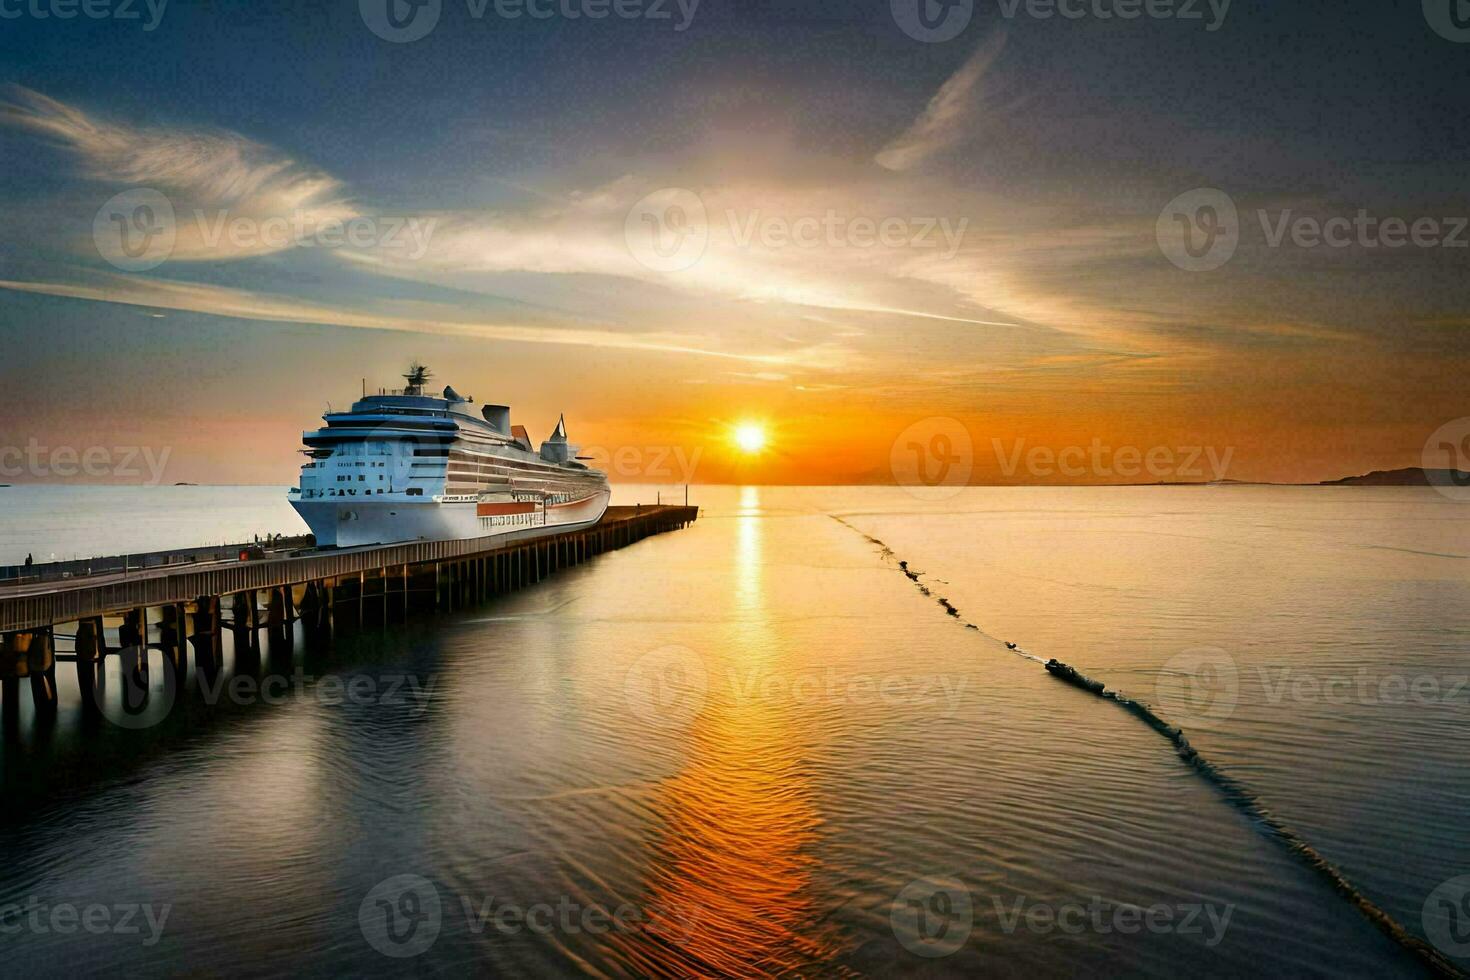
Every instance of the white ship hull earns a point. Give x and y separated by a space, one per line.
411 466
349 523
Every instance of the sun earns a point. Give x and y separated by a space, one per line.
750 437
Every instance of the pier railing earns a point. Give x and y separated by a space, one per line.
28 606
57 571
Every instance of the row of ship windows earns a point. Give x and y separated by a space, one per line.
510 519
366 492
384 449
319 464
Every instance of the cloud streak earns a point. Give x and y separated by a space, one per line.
210 172
945 120
430 318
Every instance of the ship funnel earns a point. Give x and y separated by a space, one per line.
498 416
556 449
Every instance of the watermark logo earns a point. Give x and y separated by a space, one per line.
932 459
932 21
667 686
668 230
142 698
1199 230
1446 917
135 230
400 21
1199 685
932 918
400 917
1446 459
1450 19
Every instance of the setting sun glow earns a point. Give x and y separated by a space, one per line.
751 438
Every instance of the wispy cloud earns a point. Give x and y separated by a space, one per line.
206 174
1024 279
416 317
946 118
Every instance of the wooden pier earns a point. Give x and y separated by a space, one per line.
326 589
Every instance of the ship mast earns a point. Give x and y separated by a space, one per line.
417 376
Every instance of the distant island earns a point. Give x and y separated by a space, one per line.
1408 476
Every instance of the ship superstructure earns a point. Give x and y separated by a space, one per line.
407 465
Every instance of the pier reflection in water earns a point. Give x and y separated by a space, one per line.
729 750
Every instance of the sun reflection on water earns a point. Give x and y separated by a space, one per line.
729 884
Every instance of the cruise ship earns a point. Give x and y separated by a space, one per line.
410 465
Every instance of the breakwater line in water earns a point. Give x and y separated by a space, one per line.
1232 789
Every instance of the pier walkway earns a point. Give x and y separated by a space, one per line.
327 588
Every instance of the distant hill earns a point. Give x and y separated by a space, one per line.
1409 476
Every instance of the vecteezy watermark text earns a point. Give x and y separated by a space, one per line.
1182 10
833 229
669 230
142 700
1363 230
936 21
401 916
934 917
1200 230
403 21
302 230
672 684
671 464
120 10
139 229
1363 686
96 462
330 690
1103 917
1206 684
1104 461
39 917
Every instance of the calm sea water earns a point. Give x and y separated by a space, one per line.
755 747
